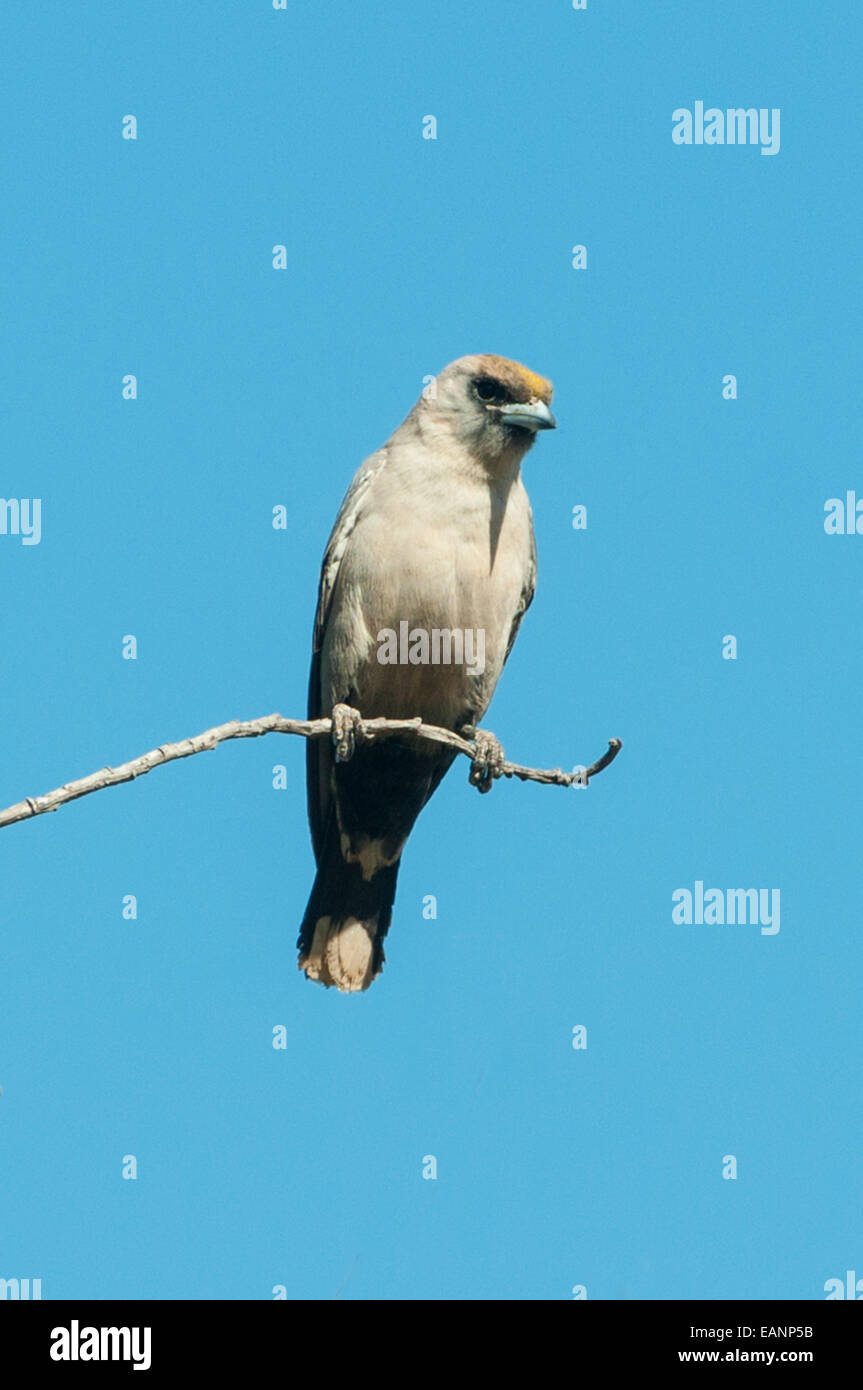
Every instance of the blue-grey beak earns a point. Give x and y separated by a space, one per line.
534 415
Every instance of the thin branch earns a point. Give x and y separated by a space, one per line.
367 731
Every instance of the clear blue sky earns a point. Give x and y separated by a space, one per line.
153 1037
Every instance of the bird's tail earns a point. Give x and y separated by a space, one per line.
348 913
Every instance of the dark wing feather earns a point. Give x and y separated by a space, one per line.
527 593
319 750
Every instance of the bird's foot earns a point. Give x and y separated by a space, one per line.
487 762
346 731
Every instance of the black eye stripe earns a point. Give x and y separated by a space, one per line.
492 392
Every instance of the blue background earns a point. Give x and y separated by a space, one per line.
556 1167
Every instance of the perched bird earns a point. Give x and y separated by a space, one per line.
435 535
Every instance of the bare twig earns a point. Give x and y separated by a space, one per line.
367 731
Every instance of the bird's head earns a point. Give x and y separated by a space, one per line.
490 404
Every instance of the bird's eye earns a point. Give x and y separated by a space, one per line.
491 391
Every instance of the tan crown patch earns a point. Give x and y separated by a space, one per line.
517 375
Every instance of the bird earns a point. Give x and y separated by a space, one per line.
435 535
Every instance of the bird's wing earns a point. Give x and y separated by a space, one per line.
527 593
318 750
